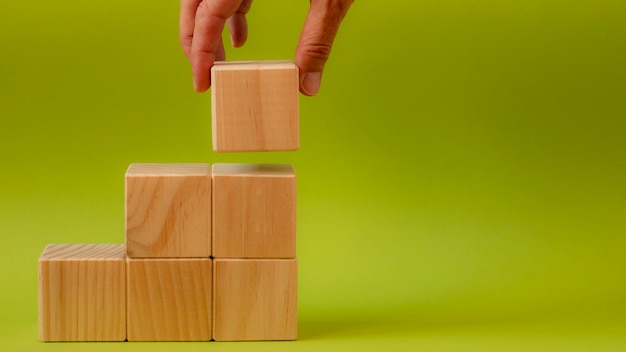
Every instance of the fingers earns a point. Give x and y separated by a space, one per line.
207 38
202 23
316 40
238 26
186 23
206 43
220 55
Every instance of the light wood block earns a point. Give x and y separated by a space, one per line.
255 299
168 210
254 211
255 106
169 299
82 293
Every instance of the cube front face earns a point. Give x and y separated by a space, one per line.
255 106
168 210
254 211
82 293
163 285
169 299
255 299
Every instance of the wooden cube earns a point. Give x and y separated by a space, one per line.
255 299
168 210
255 106
82 293
254 211
169 299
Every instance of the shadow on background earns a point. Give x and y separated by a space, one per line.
319 330
366 327
393 321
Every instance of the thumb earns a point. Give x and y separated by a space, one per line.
316 40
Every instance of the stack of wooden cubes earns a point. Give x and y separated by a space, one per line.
210 250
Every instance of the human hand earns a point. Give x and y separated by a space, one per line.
202 23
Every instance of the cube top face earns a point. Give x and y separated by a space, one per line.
169 299
254 170
255 299
254 211
254 65
83 252
168 210
255 106
167 170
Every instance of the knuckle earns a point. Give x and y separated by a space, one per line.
319 51
339 6
344 5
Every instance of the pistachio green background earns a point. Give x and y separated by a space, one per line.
462 176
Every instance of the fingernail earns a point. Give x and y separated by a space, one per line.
311 82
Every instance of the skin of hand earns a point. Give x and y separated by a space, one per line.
202 23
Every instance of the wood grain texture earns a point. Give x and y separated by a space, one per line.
255 299
255 106
254 211
168 210
169 299
82 293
